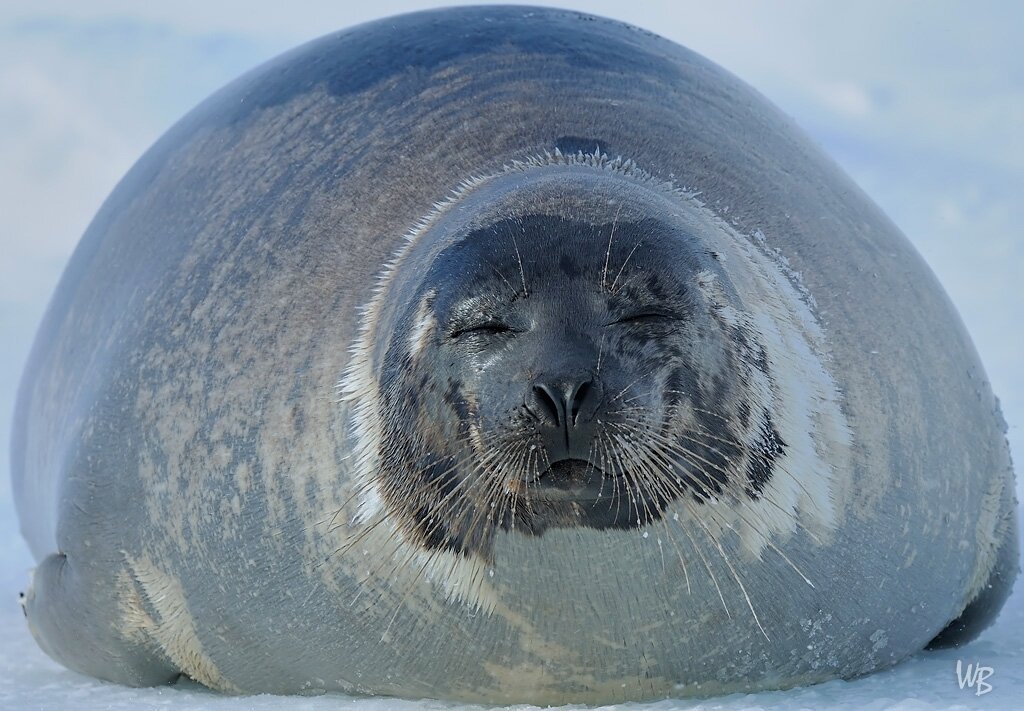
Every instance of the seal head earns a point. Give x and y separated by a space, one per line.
563 346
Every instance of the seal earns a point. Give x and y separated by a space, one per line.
502 355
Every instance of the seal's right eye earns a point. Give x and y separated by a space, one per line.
645 317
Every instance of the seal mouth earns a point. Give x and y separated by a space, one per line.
569 479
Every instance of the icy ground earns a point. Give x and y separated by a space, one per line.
30 680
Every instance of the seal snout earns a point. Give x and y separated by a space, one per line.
564 410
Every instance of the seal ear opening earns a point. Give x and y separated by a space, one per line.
982 611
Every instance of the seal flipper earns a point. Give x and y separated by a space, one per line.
984 608
76 621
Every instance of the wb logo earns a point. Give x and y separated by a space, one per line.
973 677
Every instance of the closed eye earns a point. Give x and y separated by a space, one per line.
491 328
645 317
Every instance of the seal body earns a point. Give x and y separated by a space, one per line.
504 355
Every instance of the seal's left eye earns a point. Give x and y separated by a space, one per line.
490 328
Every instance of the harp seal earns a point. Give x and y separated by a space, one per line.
502 355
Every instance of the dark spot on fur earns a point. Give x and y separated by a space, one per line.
568 266
456 400
744 414
761 363
761 463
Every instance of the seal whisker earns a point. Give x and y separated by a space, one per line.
683 451
680 449
600 353
428 494
656 436
611 466
735 575
608 251
658 466
745 506
671 538
476 476
624 263
496 491
505 279
428 562
519 258
626 474
700 554
634 382
594 454
358 491
342 550
503 497
674 447
632 480
652 477
777 465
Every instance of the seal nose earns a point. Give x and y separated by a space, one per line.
560 405
565 410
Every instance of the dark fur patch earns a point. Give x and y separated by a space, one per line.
761 462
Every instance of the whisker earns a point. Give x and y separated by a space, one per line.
519 257
624 263
735 575
742 503
608 251
623 391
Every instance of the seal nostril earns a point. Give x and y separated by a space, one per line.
579 397
549 405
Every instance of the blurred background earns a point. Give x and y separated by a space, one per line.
921 102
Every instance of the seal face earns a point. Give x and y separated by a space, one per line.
562 345
506 355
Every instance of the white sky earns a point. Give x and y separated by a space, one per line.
923 103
